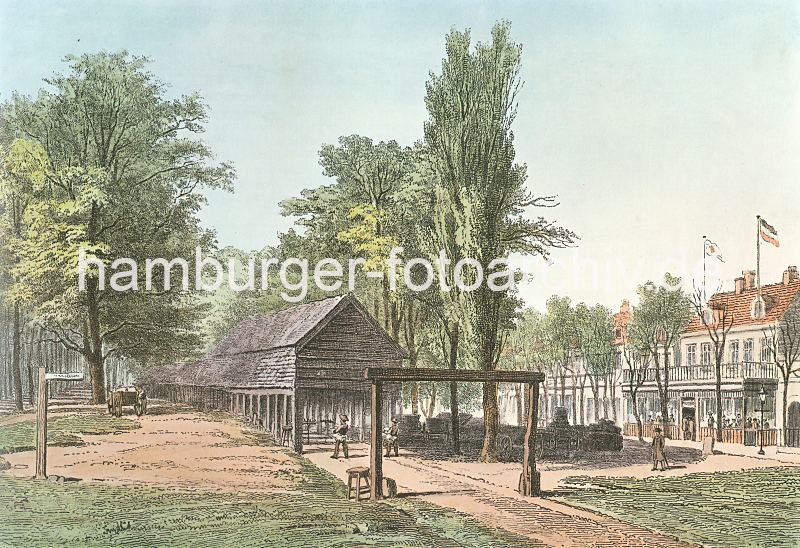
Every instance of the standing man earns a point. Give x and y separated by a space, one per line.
390 438
659 456
340 437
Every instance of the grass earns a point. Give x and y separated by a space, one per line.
63 431
312 511
746 508
317 514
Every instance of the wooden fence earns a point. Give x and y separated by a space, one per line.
743 436
648 430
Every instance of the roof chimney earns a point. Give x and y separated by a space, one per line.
790 275
739 285
626 306
749 279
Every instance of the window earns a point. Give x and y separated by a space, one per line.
691 354
748 350
758 310
705 353
766 351
734 351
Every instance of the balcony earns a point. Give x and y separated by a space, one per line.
730 371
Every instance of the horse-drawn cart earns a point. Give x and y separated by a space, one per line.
127 395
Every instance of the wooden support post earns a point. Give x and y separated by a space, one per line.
285 410
298 405
363 415
375 449
529 484
41 427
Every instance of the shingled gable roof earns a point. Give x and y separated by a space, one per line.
293 327
260 352
777 298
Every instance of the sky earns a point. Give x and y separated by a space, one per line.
655 123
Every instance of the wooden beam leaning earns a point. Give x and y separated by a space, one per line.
407 374
41 427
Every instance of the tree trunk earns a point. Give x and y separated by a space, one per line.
635 402
596 398
718 391
95 348
574 399
546 403
491 422
613 399
454 426
785 401
410 333
15 358
489 315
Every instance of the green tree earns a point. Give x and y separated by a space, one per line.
594 328
123 180
525 349
657 323
472 105
559 333
783 340
716 317
22 174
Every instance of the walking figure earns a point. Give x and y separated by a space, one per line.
659 456
340 437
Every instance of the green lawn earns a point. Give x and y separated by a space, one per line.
749 508
21 436
317 514
312 512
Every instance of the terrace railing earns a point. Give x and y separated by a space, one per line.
730 371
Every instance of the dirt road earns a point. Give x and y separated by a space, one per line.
185 450
195 451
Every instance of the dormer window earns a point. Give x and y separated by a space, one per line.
758 310
708 316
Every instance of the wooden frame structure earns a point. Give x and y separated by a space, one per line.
528 484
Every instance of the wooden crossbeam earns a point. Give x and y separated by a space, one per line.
528 483
408 374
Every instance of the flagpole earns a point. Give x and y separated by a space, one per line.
704 268
758 255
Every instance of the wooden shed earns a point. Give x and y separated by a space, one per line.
300 367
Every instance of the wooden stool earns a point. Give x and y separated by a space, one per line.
286 435
357 472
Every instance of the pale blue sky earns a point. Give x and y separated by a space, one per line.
654 122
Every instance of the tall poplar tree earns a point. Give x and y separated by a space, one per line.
472 104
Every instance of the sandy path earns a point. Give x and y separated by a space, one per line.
186 450
190 450
488 492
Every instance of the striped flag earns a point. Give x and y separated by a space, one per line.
768 233
713 250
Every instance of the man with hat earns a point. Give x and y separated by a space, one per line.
340 437
659 456
390 436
